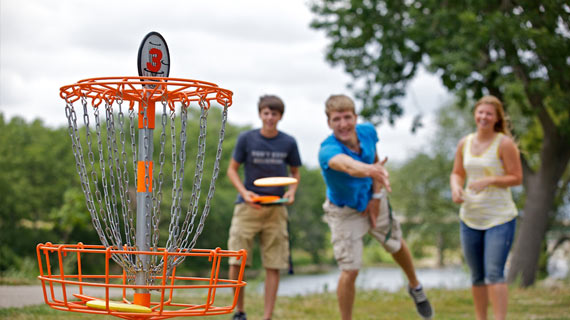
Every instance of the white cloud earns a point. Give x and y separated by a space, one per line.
251 47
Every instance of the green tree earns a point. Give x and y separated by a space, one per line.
515 50
423 196
307 229
37 168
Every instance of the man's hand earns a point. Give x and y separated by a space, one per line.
248 196
380 174
372 210
290 195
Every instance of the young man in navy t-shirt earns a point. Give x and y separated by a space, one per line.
264 152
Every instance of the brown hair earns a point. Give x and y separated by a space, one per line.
502 124
339 103
272 102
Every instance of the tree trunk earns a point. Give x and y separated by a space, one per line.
531 232
540 189
440 250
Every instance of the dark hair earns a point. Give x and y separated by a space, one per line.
272 102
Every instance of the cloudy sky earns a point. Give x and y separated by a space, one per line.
252 47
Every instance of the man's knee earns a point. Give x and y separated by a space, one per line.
349 274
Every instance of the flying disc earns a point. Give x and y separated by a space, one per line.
278 201
265 199
269 200
117 306
274 181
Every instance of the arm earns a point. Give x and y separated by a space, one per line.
290 194
509 154
457 178
373 207
233 175
355 168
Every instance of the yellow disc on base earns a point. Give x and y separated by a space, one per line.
117 306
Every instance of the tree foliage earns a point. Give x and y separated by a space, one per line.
41 198
515 50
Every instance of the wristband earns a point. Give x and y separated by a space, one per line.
379 195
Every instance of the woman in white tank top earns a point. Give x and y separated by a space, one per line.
487 163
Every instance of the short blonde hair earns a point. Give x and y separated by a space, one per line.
502 124
339 103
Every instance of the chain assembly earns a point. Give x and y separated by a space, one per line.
122 177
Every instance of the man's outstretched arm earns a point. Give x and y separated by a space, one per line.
355 168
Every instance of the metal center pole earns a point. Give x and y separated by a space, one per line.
144 198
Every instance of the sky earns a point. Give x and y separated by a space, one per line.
251 47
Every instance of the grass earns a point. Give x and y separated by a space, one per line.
538 302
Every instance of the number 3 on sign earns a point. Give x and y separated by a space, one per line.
156 56
153 57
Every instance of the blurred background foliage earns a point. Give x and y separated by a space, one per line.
41 198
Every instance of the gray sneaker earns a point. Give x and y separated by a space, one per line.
239 316
422 303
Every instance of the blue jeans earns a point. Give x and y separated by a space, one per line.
486 251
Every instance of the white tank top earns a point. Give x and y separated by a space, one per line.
493 205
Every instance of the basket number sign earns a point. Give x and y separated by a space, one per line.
153 57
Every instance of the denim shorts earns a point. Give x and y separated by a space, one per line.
486 251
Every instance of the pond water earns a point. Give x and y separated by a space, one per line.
373 278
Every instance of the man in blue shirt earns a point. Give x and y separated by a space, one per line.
265 152
357 203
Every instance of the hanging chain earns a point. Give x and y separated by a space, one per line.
215 174
157 195
178 187
80 164
188 225
133 138
123 179
100 212
104 170
211 191
112 164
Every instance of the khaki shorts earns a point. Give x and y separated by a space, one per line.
270 222
348 226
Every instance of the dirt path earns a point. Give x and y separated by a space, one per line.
21 296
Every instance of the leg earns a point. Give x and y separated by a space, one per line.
346 292
403 258
389 233
498 294
480 301
472 243
347 229
274 244
245 225
271 286
234 273
498 241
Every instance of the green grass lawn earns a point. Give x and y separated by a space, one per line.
546 303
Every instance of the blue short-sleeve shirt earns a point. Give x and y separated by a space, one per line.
342 188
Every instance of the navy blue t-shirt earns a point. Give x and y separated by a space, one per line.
265 157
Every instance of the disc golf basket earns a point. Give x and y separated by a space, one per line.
111 122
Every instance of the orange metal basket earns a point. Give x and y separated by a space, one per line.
171 295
